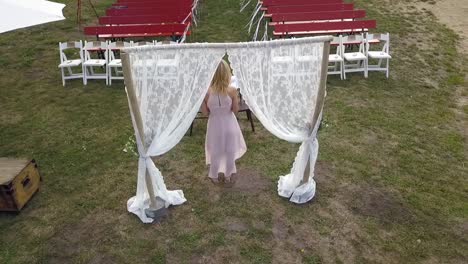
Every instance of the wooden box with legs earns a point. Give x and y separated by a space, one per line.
19 181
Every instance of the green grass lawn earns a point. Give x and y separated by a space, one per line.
392 170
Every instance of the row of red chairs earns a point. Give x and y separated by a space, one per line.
144 18
312 17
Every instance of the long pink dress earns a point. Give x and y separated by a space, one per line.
224 141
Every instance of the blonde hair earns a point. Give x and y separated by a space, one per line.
221 79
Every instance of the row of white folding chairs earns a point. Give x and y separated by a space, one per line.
84 59
344 61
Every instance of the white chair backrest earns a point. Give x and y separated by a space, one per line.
121 44
382 38
379 36
386 38
70 45
355 39
114 46
95 46
338 42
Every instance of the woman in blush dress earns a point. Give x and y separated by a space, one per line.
224 141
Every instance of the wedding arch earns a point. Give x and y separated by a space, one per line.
282 81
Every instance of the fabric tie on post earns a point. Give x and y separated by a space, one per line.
306 190
288 184
138 203
291 185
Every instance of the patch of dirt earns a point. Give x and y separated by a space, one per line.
280 229
102 259
235 225
258 224
250 181
462 102
380 204
461 229
339 236
452 13
324 175
82 236
247 181
10 118
227 254
283 239
337 243
336 233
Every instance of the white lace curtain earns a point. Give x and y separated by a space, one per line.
280 84
281 81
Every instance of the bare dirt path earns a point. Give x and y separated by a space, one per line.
454 14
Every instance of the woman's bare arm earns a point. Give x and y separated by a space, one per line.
204 108
235 99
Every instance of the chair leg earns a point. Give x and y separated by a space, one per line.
85 75
365 69
63 77
109 75
191 128
341 70
388 68
249 117
344 71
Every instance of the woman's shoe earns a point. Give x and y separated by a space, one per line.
230 181
233 178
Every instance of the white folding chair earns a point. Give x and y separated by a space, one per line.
114 64
90 64
383 54
336 59
354 61
66 64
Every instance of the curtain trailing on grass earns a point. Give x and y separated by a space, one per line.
282 81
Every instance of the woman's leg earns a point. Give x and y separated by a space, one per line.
214 167
230 165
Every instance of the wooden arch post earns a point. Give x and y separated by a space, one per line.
320 100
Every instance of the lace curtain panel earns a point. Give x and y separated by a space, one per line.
281 82
170 85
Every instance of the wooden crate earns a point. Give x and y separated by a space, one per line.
19 180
